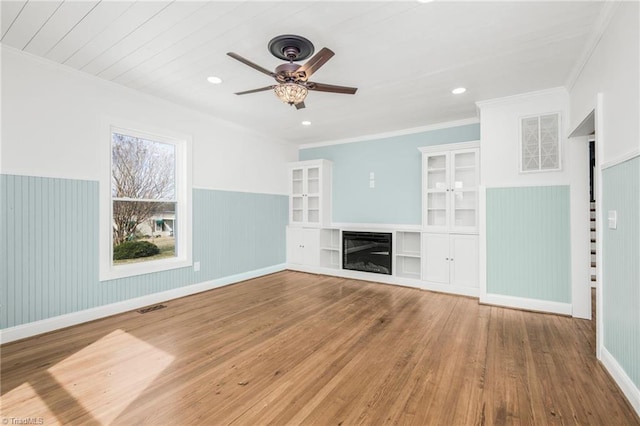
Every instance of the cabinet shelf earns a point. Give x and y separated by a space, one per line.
409 254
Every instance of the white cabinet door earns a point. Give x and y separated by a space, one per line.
451 259
436 258
463 253
436 191
464 190
296 195
303 246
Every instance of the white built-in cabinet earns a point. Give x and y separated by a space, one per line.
310 193
303 246
451 259
450 178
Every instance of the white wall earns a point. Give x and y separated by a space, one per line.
613 69
609 83
500 136
51 121
499 167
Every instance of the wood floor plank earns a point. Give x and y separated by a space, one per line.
294 348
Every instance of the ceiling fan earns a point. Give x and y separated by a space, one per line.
292 79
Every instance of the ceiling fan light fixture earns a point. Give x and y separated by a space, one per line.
291 93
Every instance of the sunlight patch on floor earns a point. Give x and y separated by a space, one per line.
22 403
108 375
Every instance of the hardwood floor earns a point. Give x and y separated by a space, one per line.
295 348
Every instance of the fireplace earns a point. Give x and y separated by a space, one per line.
367 251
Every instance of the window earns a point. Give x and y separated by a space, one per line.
146 206
540 143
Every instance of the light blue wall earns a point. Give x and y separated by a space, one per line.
621 266
396 162
528 243
49 246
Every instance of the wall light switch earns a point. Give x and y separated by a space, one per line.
612 218
372 176
196 266
372 184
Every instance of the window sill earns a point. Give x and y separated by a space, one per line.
131 270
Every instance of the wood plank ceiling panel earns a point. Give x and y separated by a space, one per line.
182 38
91 26
217 40
61 23
10 11
28 22
206 16
154 27
119 28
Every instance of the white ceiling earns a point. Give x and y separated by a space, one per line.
404 56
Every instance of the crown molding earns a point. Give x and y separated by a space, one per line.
403 132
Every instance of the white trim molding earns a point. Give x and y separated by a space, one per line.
62 321
410 131
535 305
387 279
621 159
624 382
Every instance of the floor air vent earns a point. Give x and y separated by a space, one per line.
150 309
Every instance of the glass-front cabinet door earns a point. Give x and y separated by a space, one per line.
450 190
297 196
464 190
310 193
437 190
312 197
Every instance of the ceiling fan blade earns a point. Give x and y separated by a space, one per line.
321 87
318 60
300 105
262 89
251 64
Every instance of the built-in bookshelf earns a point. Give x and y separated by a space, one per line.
408 254
330 251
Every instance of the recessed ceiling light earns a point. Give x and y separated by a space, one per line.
425 1
306 123
214 80
458 90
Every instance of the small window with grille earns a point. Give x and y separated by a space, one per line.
540 143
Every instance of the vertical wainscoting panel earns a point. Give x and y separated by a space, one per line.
621 265
237 231
49 262
528 243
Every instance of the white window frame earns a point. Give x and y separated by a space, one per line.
560 144
183 144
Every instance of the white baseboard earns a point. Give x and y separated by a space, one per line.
527 304
50 324
387 279
624 382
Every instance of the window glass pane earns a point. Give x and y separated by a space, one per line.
142 169
143 191
143 231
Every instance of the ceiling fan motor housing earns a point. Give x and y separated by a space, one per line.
291 47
